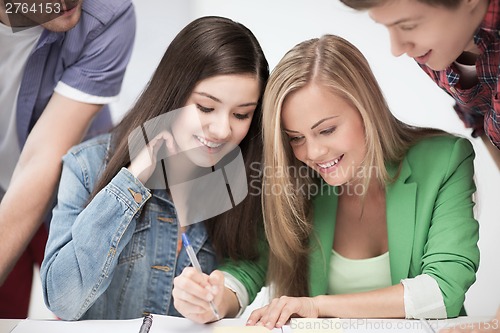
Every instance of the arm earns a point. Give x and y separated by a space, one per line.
62 125
251 274
382 303
192 290
451 254
85 241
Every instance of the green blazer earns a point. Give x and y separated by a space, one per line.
430 224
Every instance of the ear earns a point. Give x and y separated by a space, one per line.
472 4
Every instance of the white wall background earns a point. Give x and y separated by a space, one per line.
279 25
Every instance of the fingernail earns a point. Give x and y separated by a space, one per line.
210 297
268 324
249 323
215 289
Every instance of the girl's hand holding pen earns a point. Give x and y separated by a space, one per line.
193 292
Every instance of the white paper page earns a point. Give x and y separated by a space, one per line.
161 324
84 326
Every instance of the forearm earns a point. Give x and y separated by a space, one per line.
23 208
63 124
84 245
230 306
382 303
494 152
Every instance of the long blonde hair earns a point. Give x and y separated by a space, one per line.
334 63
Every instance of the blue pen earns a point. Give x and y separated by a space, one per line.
196 265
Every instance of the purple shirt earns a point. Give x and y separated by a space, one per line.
91 58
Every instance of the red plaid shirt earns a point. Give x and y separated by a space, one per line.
479 106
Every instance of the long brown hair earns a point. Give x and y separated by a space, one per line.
338 65
207 47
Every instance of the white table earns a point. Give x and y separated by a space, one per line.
174 324
6 325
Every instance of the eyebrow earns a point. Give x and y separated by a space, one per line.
313 126
403 20
219 101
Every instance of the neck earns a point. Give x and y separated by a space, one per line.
359 191
478 16
4 19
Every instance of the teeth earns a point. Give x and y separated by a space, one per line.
329 164
208 143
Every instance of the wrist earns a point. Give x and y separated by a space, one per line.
229 306
325 306
316 303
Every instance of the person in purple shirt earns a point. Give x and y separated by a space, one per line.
56 78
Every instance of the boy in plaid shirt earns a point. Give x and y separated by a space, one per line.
457 43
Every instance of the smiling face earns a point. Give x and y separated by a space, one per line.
325 132
432 35
217 117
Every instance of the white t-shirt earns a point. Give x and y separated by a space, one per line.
15 49
468 75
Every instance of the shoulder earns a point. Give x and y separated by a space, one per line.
439 155
93 151
106 11
98 15
438 147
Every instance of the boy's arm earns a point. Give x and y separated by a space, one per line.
62 125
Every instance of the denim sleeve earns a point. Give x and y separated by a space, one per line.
85 241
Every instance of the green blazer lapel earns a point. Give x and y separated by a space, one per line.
400 204
325 214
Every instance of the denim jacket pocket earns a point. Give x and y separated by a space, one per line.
136 248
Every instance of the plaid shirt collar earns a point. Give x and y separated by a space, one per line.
484 37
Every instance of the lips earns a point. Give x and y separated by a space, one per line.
69 7
326 166
423 58
210 145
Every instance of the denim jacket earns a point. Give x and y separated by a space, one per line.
115 257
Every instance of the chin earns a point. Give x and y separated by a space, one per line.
63 23
439 65
202 160
333 181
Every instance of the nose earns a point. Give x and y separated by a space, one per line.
219 127
399 45
315 149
